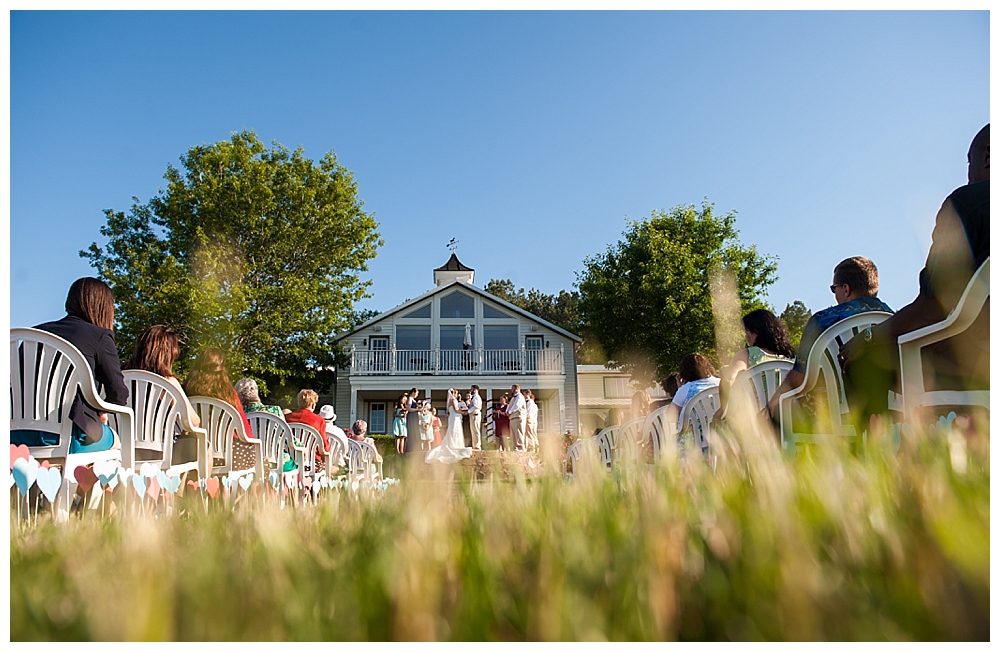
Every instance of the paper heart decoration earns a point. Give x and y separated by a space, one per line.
24 471
10 483
44 464
112 482
194 485
154 488
291 480
86 478
202 483
246 481
307 482
139 483
126 475
316 489
49 480
18 453
148 470
212 486
172 485
273 477
107 468
225 481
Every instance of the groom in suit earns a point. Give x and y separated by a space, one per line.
475 418
516 409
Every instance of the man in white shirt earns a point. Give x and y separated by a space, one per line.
334 431
476 418
531 423
516 411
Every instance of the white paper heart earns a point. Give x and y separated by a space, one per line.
291 480
246 481
148 470
273 477
107 468
125 476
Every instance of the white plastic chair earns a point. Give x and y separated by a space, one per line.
46 372
626 451
696 416
305 455
758 384
976 294
606 446
823 360
581 456
221 420
275 436
660 432
362 460
158 407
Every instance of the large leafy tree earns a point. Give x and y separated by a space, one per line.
251 249
795 315
649 298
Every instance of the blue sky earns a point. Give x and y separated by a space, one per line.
529 136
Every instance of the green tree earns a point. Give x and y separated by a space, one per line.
561 309
795 315
649 297
251 249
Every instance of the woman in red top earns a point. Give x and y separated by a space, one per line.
501 422
208 377
306 402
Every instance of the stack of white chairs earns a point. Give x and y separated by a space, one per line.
221 421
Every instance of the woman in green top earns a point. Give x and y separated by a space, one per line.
246 389
767 339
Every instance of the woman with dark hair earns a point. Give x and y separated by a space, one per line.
208 377
696 374
501 423
767 339
156 350
89 326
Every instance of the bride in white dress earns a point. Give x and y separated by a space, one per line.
452 448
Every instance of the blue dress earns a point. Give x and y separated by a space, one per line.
399 423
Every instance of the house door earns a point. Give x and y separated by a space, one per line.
532 351
379 347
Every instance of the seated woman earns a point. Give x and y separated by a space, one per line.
696 374
249 394
209 378
156 350
89 326
306 404
767 339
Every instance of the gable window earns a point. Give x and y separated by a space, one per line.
457 306
490 312
423 312
413 338
452 338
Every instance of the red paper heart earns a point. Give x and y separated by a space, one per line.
193 485
85 477
18 452
212 486
154 488
44 464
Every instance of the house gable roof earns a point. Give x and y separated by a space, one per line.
452 285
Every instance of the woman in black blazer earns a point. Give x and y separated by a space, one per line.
88 326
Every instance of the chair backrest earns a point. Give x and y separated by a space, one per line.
823 360
220 420
274 434
46 372
311 442
758 384
606 446
581 455
626 449
660 432
158 406
358 467
337 449
697 413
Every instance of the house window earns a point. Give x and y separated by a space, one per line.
616 387
413 338
457 306
452 338
376 418
496 338
490 312
424 312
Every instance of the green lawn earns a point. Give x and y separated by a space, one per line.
826 546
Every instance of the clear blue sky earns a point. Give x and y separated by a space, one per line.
527 135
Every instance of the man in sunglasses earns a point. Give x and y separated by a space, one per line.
855 286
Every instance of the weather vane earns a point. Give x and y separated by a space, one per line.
453 245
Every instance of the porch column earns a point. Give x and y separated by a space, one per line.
354 404
488 401
562 411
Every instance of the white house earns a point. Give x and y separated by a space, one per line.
603 390
457 335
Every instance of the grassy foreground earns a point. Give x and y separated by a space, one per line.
828 546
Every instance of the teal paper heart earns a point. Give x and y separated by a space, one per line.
226 481
139 483
24 471
246 481
49 480
273 477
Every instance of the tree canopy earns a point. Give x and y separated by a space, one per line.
254 250
795 315
649 298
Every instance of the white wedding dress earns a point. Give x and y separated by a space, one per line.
452 448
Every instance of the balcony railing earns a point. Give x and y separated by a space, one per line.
457 362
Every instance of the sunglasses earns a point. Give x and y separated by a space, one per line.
833 288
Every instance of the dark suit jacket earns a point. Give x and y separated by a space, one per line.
98 346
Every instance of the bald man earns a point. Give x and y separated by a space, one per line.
961 242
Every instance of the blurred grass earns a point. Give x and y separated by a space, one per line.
826 546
